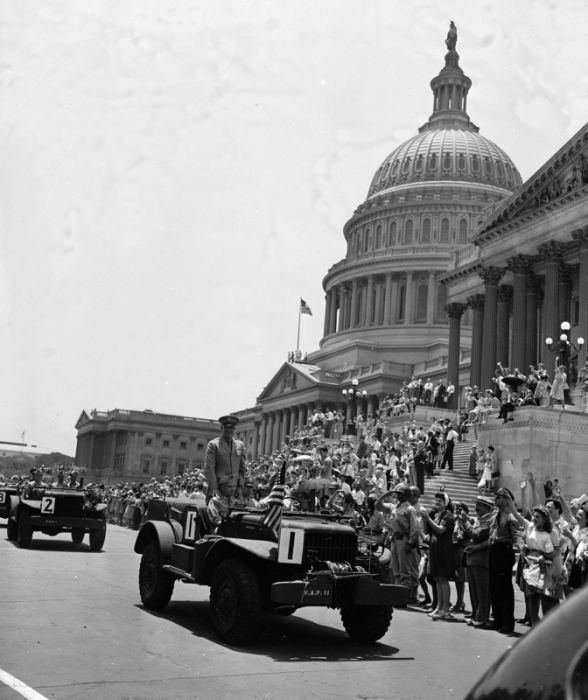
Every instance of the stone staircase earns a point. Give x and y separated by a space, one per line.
457 483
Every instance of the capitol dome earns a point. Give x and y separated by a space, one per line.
442 154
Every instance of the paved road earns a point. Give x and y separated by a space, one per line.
72 626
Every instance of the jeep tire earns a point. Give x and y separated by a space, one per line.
235 601
155 586
24 533
11 529
77 535
366 623
98 536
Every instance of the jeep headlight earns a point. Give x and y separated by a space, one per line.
363 547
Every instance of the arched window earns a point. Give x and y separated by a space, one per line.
401 302
488 167
462 236
378 236
418 164
426 238
444 237
461 161
408 232
475 164
366 239
395 168
500 169
406 166
421 303
447 161
433 161
392 233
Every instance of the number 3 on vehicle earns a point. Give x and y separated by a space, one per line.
47 505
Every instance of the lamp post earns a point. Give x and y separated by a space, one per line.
354 398
563 347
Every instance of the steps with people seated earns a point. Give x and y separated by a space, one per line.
457 483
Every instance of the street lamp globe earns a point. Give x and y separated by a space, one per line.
580 341
548 341
563 337
565 326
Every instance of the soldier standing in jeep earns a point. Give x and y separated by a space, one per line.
224 463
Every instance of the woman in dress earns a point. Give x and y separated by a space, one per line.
441 562
558 387
541 564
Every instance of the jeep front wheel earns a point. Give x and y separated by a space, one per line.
77 536
97 538
24 533
155 586
234 602
366 623
11 529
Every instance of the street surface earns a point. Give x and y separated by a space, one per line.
72 626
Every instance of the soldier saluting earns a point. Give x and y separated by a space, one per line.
224 463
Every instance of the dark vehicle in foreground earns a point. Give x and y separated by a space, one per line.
315 561
53 510
549 663
8 497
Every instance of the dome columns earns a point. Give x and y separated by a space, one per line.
454 312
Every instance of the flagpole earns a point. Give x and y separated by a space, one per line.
298 335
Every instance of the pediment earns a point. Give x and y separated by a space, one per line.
84 419
561 179
289 378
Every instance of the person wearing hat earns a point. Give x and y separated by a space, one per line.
224 461
477 531
405 531
505 536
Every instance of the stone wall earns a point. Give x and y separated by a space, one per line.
551 443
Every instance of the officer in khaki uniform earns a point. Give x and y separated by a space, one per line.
224 463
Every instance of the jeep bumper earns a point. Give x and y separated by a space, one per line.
334 592
40 522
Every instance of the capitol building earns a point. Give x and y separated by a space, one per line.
452 263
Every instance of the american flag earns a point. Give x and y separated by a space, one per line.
304 307
275 501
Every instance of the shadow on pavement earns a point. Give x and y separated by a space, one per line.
284 639
55 545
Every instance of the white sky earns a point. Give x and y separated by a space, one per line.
175 175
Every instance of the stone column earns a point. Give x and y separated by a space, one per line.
564 295
302 416
354 321
277 429
581 236
341 319
369 306
333 311
503 324
285 431
431 296
455 312
255 448
409 310
533 292
394 302
491 277
476 302
378 303
370 405
293 418
263 433
327 313
387 291
362 304
520 265
552 255
270 433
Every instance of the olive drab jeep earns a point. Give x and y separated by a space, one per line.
53 510
314 561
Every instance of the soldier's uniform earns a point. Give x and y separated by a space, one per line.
224 463
405 529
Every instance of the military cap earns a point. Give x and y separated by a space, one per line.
402 489
228 420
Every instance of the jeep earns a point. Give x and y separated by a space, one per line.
52 510
313 561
